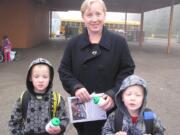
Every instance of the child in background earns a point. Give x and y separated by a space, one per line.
6 47
131 115
39 105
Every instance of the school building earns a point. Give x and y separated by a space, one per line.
27 22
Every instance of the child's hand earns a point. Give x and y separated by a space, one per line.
54 130
121 133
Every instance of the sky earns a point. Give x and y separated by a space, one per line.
115 16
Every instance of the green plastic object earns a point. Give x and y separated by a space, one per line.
55 121
96 99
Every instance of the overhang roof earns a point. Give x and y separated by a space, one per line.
131 6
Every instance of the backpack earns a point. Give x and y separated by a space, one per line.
25 97
148 120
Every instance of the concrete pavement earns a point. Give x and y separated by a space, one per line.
161 71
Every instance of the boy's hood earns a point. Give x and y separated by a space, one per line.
127 82
37 61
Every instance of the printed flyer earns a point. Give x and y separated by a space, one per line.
85 111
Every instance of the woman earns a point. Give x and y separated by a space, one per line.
95 61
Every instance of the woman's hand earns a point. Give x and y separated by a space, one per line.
108 104
83 94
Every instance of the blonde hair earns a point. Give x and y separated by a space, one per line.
87 3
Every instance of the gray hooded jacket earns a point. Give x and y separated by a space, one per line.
109 127
38 112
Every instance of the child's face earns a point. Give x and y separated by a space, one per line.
133 98
40 77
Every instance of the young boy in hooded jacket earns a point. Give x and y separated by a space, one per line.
131 102
39 86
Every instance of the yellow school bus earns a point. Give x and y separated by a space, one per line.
70 27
